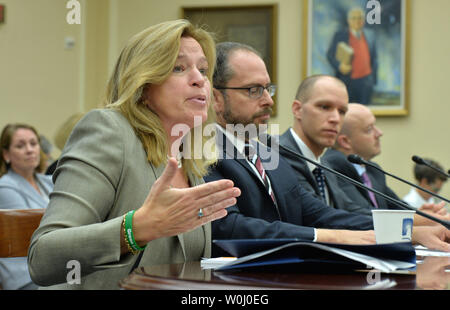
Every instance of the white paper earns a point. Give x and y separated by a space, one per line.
215 262
384 265
423 251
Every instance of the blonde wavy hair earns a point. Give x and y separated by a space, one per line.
149 58
65 129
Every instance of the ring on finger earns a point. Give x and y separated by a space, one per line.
200 213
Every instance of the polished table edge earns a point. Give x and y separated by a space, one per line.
147 278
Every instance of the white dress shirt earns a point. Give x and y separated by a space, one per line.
239 144
306 151
415 200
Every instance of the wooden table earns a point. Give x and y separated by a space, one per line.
432 273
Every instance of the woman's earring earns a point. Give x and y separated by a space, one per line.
7 161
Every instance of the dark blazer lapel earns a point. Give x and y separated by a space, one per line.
229 151
330 181
351 172
287 140
363 191
376 178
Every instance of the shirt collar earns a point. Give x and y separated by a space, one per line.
306 151
359 168
239 144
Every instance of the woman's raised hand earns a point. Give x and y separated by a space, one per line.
170 211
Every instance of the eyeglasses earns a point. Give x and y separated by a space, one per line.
256 92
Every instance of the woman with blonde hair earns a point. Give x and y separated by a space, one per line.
61 136
22 186
119 188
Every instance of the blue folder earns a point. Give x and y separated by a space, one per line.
300 255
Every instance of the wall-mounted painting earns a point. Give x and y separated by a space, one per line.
365 44
252 25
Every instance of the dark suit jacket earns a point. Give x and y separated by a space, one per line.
339 162
338 198
256 216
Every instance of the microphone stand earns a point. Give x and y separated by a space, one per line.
421 161
399 203
358 160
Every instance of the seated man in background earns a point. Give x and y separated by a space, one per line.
359 135
429 179
272 203
318 109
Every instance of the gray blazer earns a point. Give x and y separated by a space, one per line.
102 174
17 193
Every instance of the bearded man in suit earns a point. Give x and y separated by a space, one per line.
272 204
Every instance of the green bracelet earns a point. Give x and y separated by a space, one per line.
129 232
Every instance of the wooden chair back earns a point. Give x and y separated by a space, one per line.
16 228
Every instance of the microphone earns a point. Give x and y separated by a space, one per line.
420 161
399 203
356 159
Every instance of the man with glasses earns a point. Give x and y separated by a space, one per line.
272 203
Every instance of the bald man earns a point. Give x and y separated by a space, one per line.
360 135
319 107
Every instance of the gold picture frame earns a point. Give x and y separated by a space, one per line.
254 25
388 27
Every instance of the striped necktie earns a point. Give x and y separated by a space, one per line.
253 157
320 179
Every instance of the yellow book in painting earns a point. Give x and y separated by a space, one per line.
344 53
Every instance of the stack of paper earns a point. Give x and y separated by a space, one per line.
423 251
216 262
253 253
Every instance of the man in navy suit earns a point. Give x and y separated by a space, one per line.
319 107
242 92
360 135
273 204
359 75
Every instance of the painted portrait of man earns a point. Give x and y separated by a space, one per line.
362 43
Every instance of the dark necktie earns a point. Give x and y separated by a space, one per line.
368 183
320 179
253 157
